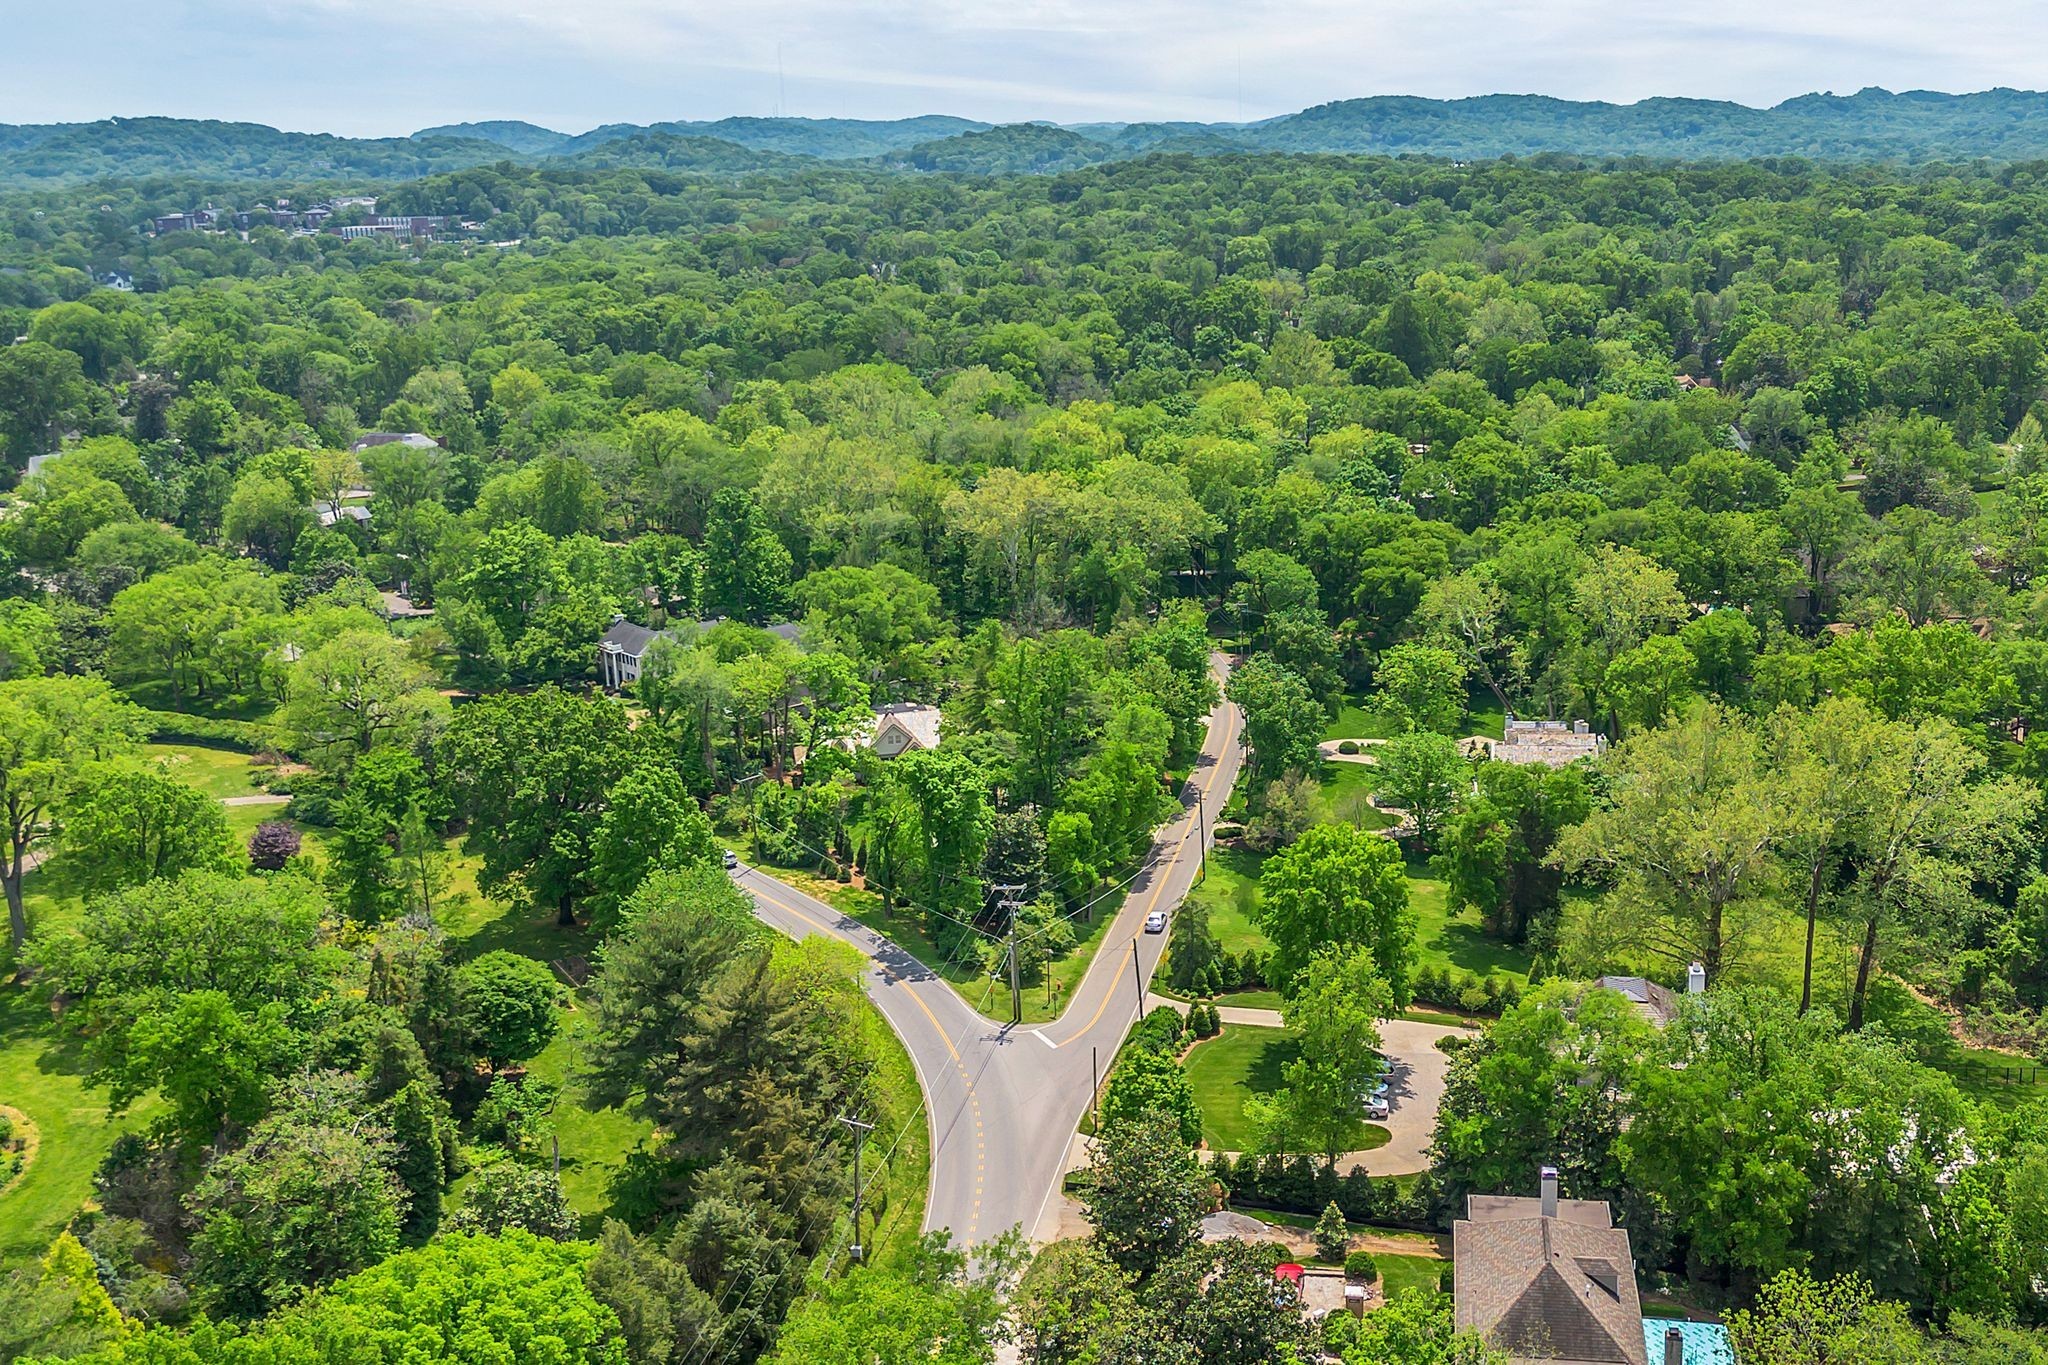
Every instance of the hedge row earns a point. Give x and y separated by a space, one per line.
244 736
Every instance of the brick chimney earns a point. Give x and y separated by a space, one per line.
1674 1346
1548 1184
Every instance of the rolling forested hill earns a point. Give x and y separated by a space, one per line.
1871 125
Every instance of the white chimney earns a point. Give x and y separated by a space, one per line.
1695 980
1674 1346
1548 1180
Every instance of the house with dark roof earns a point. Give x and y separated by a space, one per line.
1658 1004
1549 1281
620 651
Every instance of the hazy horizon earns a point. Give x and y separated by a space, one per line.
379 68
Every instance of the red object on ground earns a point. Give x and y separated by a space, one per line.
1288 1271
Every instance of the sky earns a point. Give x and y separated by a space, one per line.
389 67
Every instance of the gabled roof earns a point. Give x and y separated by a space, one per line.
1548 1289
628 639
915 719
1658 1004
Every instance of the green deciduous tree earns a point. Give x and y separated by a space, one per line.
1147 1193
1334 1011
1496 848
1423 774
1144 1081
1420 688
650 822
359 690
1338 887
1282 720
51 729
509 1004
127 823
1689 834
531 774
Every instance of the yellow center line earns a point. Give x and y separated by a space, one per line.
1229 726
781 904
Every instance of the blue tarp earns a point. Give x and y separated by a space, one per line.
1706 1343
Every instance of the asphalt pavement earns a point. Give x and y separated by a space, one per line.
1003 1102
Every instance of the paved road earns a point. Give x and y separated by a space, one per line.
1003 1102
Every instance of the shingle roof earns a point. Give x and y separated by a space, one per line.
1658 1004
1549 1289
629 639
919 721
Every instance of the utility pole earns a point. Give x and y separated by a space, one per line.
1006 898
1201 839
1137 979
1094 1086
860 1140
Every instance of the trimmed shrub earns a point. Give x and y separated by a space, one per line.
1360 1266
274 844
1349 746
1332 1235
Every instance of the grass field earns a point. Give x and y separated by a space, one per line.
1483 716
43 1076
217 772
1454 943
1408 1274
1240 1062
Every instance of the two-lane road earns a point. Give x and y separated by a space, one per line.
1003 1102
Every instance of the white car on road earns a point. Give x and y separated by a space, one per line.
1155 923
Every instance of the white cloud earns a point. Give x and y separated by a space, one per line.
387 66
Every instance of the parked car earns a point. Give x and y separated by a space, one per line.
1377 1109
1155 923
732 859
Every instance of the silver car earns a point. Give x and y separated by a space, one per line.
1155 923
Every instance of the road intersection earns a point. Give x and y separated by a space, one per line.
1003 1101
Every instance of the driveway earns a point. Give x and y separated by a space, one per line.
1415 1085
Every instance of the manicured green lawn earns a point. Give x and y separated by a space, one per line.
217 772
1230 892
1354 720
1240 1062
1456 942
42 1074
1405 1274
1452 942
595 1142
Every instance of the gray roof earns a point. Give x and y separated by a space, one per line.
919 721
1658 1004
628 639
1548 1289
633 640
417 440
